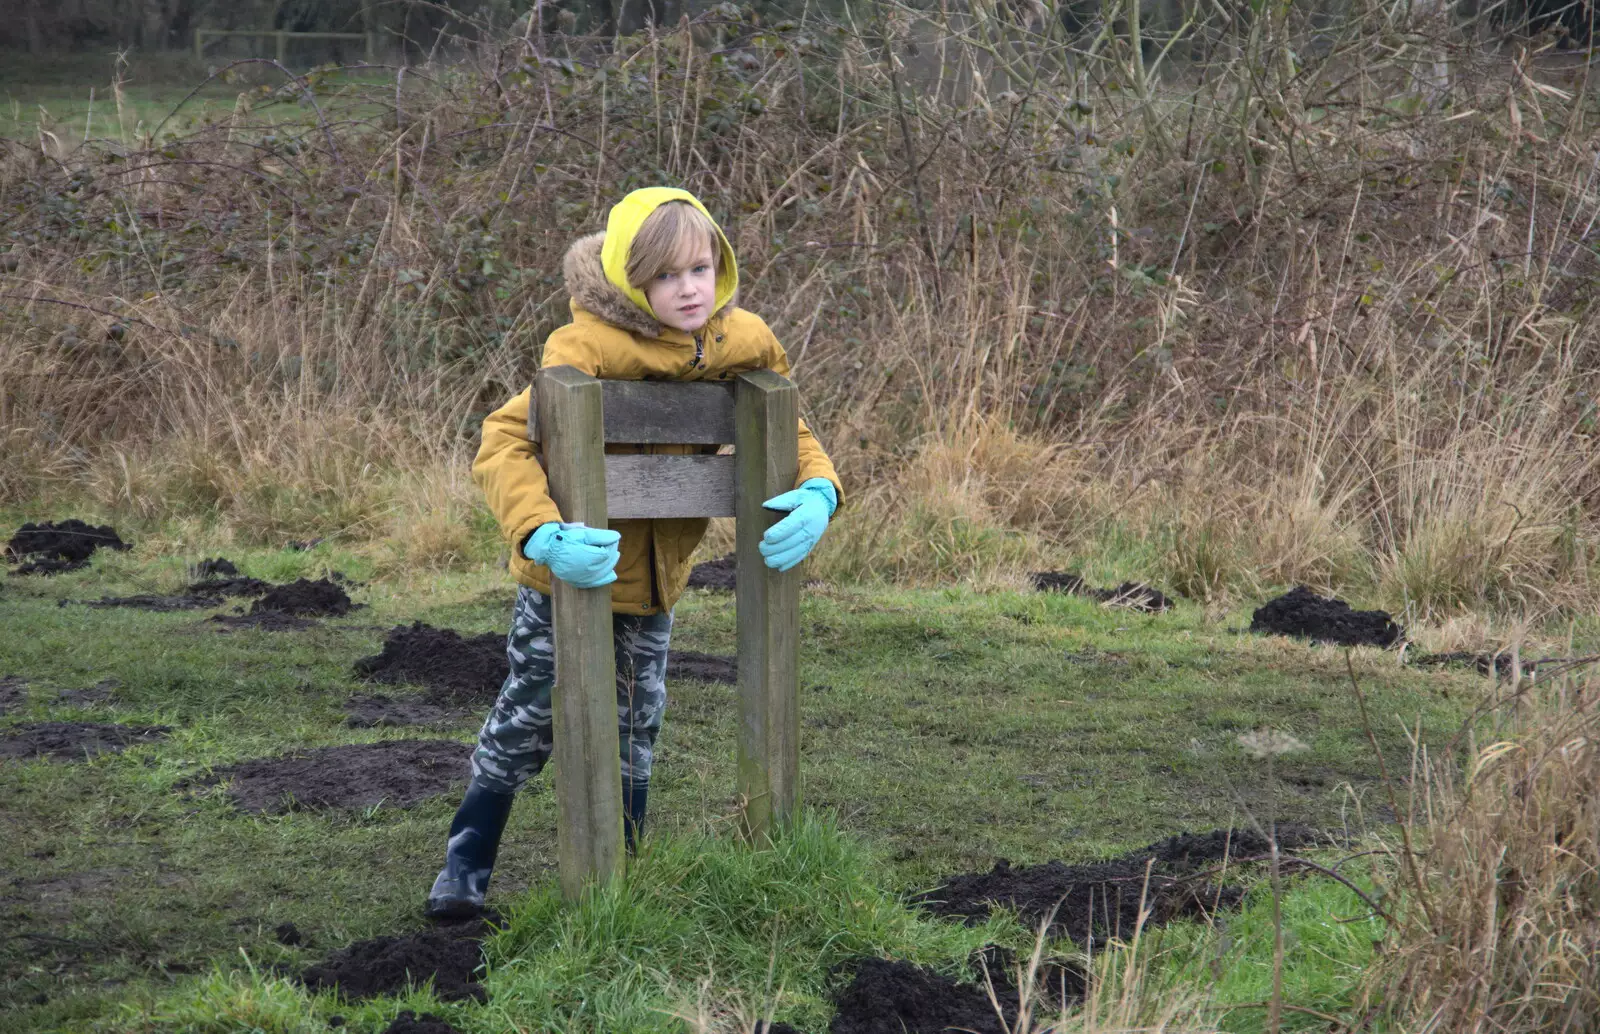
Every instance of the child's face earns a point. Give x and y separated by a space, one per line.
682 297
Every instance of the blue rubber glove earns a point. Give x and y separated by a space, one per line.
583 557
789 541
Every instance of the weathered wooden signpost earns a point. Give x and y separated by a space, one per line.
572 418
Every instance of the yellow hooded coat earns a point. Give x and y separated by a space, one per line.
614 334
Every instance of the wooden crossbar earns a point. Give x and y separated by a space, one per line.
649 485
660 412
282 38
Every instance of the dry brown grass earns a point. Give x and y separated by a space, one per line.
1502 915
1278 322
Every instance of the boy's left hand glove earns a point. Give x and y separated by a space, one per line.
789 541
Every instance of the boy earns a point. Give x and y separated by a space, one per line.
652 297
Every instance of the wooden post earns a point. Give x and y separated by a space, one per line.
283 44
588 770
766 411
368 31
200 44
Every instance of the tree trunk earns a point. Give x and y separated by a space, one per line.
30 20
605 18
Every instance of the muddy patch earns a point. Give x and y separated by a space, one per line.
702 667
1132 595
381 712
13 694
230 587
409 1022
469 670
394 773
1101 900
456 669
74 741
720 574
891 997
1324 619
52 548
90 696
161 604
447 955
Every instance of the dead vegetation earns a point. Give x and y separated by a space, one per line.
1278 302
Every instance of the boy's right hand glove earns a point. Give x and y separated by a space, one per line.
583 557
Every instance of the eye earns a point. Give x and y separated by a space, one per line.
702 269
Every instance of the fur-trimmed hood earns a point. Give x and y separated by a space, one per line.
589 286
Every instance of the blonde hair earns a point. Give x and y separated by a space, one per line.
665 237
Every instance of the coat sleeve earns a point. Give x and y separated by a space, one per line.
814 461
506 468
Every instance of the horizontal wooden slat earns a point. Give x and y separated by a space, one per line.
669 486
661 412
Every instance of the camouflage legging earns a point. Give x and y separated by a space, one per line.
516 739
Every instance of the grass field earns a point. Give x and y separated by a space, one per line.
74 98
942 729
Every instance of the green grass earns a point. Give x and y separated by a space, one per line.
74 100
1329 939
941 729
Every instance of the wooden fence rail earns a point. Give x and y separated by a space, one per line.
283 38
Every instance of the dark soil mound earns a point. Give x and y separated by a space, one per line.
1205 849
219 568
409 1022
305 598
715 574
891 997
49 567
72 741
13 693
395 773
386 965
1133 595
1323 619
159 603
231 587
702 667
1098 900
455 669
380 712
66 546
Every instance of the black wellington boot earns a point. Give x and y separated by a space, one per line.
469 859
634 798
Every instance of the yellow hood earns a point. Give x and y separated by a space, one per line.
622 225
